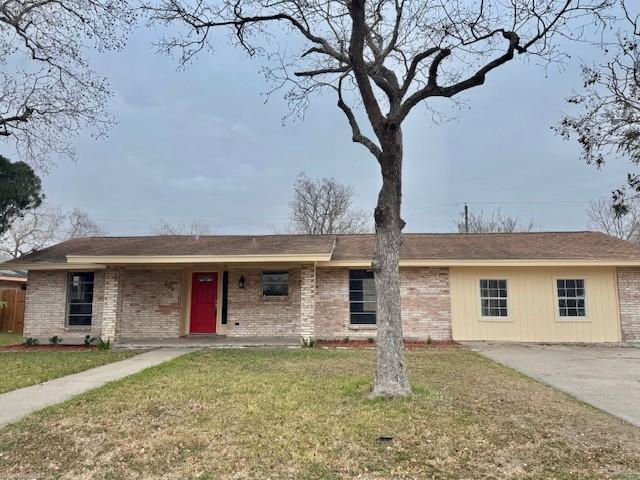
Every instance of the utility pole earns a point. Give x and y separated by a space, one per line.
466 218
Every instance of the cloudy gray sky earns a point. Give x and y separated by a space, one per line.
202 144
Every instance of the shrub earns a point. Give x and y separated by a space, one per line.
103 346
55 340
371 340
89 340
429 341
31 341
308 342
345 339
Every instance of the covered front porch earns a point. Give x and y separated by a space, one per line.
211 305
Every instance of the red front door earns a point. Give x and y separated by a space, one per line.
204 302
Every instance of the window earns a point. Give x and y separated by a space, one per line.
80 299
362 297
493 298
275 284
571 298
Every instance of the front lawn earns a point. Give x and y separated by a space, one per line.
304 414
21 369
10 338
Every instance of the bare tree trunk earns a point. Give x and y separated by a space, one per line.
391 375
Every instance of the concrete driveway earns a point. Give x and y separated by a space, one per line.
606 377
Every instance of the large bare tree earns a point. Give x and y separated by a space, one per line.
387 56
48 92
607 122
325 206
602 216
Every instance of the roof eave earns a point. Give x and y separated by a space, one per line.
194 259
491 263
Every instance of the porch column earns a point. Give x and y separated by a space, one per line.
112 302
307 300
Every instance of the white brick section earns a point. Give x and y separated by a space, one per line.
112 304
307 300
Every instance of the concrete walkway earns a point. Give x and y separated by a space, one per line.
19 403
607 377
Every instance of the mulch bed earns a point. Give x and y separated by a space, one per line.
45 348
411 345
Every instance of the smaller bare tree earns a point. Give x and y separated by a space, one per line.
496 222
602 216
79 224
325 206
195 227
44 226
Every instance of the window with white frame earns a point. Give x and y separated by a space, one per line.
571 297
493 298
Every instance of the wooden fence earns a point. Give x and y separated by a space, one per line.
12 315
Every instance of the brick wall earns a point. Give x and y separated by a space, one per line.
425 301
332 305
251 314
46 307
629 303
150 304
426 304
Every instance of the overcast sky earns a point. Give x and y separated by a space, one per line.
202 144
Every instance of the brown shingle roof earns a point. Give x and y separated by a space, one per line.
513 246
185 245
496 246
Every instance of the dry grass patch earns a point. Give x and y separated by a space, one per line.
304 414
21 369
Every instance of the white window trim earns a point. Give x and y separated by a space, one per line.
556 300
492 318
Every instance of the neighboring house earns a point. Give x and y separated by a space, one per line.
538 287
13 279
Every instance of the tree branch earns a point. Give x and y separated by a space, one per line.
357 135
432 89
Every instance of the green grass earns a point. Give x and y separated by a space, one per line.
21 369
7 338
304 414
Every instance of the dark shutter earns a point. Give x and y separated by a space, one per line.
225 296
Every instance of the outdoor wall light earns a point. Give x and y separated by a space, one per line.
241 282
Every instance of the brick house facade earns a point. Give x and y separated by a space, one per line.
303 286
150 304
